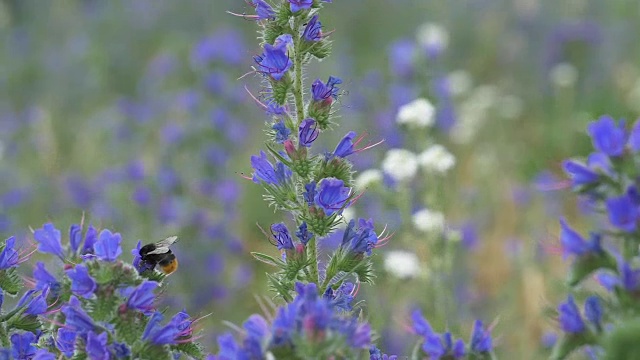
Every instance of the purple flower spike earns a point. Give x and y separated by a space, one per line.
107 248
48 239
332 195
82 284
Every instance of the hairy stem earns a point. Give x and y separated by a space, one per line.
297 81
312 253
4 336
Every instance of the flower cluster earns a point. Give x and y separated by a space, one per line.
442 346
315 189
98 308
608 180
311 326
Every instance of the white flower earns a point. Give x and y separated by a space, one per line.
436 159
402 264
428 220
400 164
420 113
432 36
367 178
564 75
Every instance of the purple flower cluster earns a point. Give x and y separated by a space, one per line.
308 319
442 346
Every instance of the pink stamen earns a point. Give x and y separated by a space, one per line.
55 323
31 282
244 16
260 103
242 175
249 73
355 290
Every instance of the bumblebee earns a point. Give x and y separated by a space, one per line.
160 254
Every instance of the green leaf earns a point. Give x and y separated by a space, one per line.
26 323
10 281
190 348
267 259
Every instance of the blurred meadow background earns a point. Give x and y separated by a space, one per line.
131 113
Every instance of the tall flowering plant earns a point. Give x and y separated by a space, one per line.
97 307
604 321
318 319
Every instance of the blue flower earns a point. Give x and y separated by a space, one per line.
75 237
82 283
322 91
257 331
9 257
569 317
158 334
579 173
76 318
264 11
342 297
623 213
89 240
438 346
49 240
361 240
297 5
332 196
282 132
97 346
107 248
419 324
43 354
22 345
574 244
593 310
606 137
308 132
376 354
275 61
358 334
629 277
141 298
283 173
66 341
345 146
634 137
1 297
120 350
263 169
481 341
309 193
282 236
313 31
35 305
284 323
303 234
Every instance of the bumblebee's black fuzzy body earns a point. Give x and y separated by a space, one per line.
160 254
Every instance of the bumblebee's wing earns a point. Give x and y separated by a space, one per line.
162 246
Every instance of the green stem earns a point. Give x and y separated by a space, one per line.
297 81
4 336
312 253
